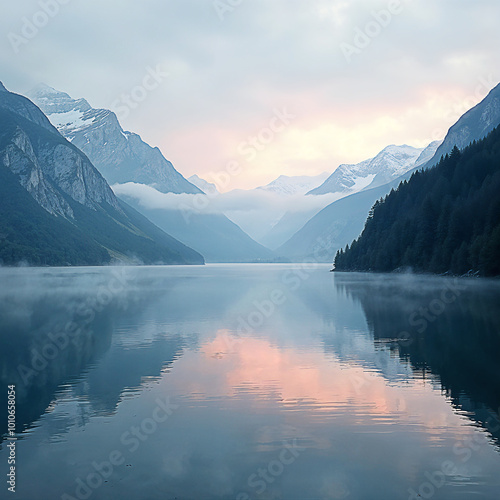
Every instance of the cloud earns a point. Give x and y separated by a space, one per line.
255 211
232 201
227 76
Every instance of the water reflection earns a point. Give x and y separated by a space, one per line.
449 328
274 388
56 336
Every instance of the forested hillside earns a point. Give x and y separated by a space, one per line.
443 219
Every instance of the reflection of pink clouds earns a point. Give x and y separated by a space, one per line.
297 375
266 375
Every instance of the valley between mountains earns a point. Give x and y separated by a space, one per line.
79 189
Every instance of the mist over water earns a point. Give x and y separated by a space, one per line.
251 382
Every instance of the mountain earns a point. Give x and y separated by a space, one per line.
444 219
216 237
265 215
286 227
123 157
390 163
343 220
67 166
331 228
120 156
57 209
289 185
348 179
268 206
205 186
427 154
472 126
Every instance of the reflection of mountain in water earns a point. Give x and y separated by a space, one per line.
30 361
345 332
446 327
126 370
89 363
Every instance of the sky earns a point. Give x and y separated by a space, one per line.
242 91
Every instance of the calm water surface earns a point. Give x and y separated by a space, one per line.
250 382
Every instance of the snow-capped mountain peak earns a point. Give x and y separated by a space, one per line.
299 184
120 156
68 115
46 166
55 101
44 90
390 163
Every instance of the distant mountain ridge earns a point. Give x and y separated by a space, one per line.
299 184
120 156
392 162
444 219
349 179
215 236
124 157
205 186
342 221
474 125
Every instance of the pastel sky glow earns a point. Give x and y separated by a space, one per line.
222 73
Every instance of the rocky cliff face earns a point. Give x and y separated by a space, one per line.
57 209
120 156
19 157
75 175
123 157
44 159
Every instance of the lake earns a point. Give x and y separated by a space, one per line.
249 382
